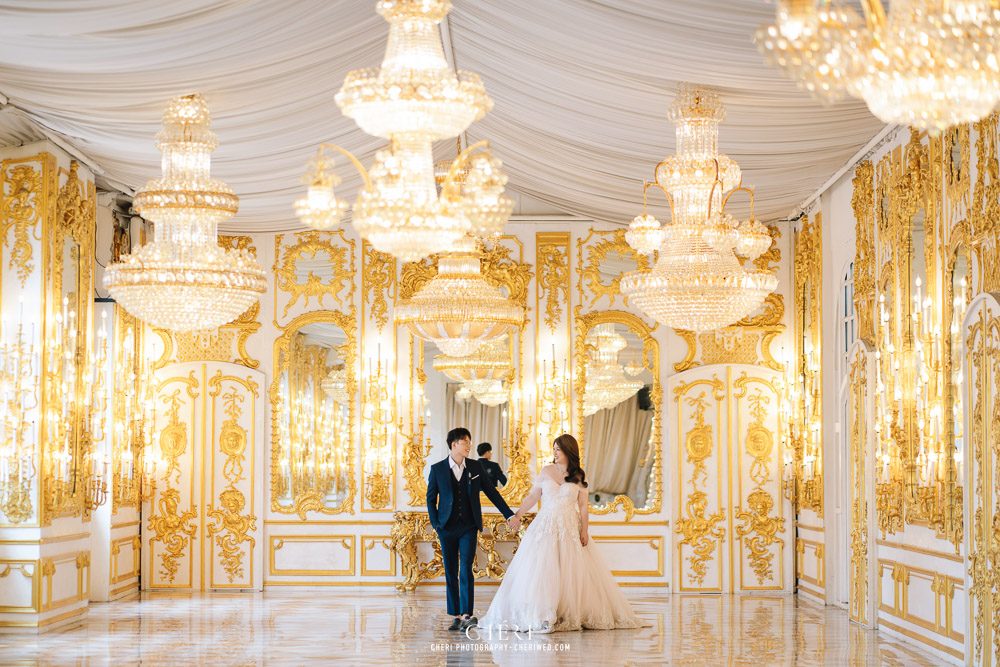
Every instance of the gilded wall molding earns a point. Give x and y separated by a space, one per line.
593 277
552 260
331 274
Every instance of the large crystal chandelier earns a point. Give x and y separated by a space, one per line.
412 100
458 310
930 63
182 280
698 283
606 385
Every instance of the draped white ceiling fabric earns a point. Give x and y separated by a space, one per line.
581 90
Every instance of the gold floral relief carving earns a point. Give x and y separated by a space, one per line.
732 347
378 270
227 524
504 271
859 501
294 277
701 532
552 259
863 204
23 206
759 529
651 361
607 246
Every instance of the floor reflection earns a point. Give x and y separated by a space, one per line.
380 627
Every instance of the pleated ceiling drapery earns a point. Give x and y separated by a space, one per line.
581 91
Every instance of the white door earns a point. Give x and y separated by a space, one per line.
731 527
202 527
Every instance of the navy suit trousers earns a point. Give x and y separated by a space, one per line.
458 551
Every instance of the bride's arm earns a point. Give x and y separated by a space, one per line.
528 502
584 517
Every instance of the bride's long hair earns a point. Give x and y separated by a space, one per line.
571 448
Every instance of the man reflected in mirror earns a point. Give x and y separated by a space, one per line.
493 470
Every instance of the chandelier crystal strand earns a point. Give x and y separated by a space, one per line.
930 64
698 283
182 280
458 310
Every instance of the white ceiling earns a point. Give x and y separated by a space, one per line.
581 90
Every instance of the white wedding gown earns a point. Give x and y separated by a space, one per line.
554 583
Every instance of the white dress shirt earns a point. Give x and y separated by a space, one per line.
457 468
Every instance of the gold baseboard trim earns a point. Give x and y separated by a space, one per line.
920 550
303 524
922 639
47 621
816 594
127 524
329 583
134 584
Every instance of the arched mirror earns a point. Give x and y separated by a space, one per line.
481 391
618 412
313 397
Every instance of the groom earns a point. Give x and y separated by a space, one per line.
455 513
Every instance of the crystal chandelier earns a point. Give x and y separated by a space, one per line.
698 283
930 63
490 362
182 280
494 395
334 385
606 385
458 310
412 100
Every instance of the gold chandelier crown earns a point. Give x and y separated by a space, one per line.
182 280
930 64
458 310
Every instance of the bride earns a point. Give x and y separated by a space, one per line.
557 580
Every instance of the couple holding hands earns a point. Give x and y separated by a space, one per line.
557 580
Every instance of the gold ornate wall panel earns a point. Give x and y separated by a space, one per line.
923 598
981 330
602 257
731 531
807 404
313 265
553 340
203 525
861 478
758 508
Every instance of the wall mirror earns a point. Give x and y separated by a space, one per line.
480 392
618 412
313 398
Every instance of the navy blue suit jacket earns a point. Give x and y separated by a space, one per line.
439 496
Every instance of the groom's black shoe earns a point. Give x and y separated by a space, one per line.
469 622
457 624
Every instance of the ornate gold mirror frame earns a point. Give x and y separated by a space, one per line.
651 362
502 268
68 322
958 293
311 499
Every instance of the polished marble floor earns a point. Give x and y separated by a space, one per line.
365 626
